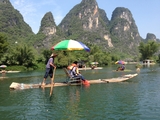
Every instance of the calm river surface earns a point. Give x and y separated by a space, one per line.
135 99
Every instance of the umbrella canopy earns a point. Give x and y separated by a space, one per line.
3 66
70 45
120 62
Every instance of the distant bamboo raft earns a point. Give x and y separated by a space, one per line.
21 86
89 68
10 71
3 77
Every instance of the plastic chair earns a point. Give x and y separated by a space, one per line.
69 78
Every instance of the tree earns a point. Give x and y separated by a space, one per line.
23 56
46 54
148 49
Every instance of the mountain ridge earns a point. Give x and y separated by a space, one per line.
85 22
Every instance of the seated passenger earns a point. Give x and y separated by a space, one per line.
122 68
74 72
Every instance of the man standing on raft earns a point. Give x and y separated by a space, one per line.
49 68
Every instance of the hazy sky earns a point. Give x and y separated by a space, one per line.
145 12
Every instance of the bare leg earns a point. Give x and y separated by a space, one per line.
44 80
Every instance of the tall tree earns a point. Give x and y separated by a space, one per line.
148 49
23 55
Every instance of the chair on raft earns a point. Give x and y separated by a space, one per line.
70 79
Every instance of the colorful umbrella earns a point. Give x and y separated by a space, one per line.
3 66
70 45
120 62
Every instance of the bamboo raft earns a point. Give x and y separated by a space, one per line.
21 86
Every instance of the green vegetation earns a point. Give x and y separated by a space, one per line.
3 44
65 58
12 23
148 49
24 57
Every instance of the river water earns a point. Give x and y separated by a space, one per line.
135 99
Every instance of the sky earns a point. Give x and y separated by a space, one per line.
145 12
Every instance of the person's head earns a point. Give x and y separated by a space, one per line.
75 62
53 55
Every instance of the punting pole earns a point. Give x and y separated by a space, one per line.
52 81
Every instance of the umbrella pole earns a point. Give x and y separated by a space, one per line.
51 91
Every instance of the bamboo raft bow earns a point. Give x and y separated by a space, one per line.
21 86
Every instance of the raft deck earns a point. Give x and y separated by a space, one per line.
21 86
